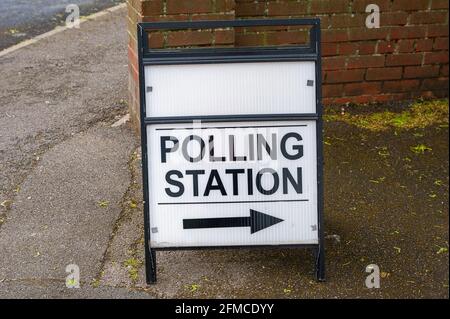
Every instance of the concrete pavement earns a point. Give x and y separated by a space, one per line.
64 169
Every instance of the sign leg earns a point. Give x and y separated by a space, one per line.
320 264
150 266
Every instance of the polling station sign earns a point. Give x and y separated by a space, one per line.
222 184
232 144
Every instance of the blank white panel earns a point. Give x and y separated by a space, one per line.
230 88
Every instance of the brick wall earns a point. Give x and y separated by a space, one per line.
407 57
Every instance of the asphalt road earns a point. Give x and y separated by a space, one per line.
23 19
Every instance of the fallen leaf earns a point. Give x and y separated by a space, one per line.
103 203
438 182
420 149
6 204
133 204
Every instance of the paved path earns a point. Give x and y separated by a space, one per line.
60 159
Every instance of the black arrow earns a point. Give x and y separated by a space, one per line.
257 221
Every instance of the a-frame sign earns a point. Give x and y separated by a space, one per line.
231 143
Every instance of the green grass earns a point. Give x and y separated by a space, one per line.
420 114
132 266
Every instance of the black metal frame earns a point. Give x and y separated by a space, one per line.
149 56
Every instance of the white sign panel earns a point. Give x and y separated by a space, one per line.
232 183
230 88
225 184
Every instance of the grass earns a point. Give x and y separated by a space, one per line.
420 149
132 265
420 114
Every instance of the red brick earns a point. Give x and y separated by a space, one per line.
338 35
435 84
286 8
211 16
249 39
178 17
367 48
356 34
348 48
333 63
401 86
441 94
441 44
189 38
224 37
437 30
329 6
267 28
384 74
408 32
428 17
347 20
404 59
423 45
439 4
365 61
152 7
343 76
361 5
156 40
327 101
409 5
224 5
362 88
405 46
393 18
387 97
284 38
332 90
361 99
191 6
436 57
325 22
407 57
250 9
329 49
383 98
415 72
386 47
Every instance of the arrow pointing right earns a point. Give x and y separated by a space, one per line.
257 221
